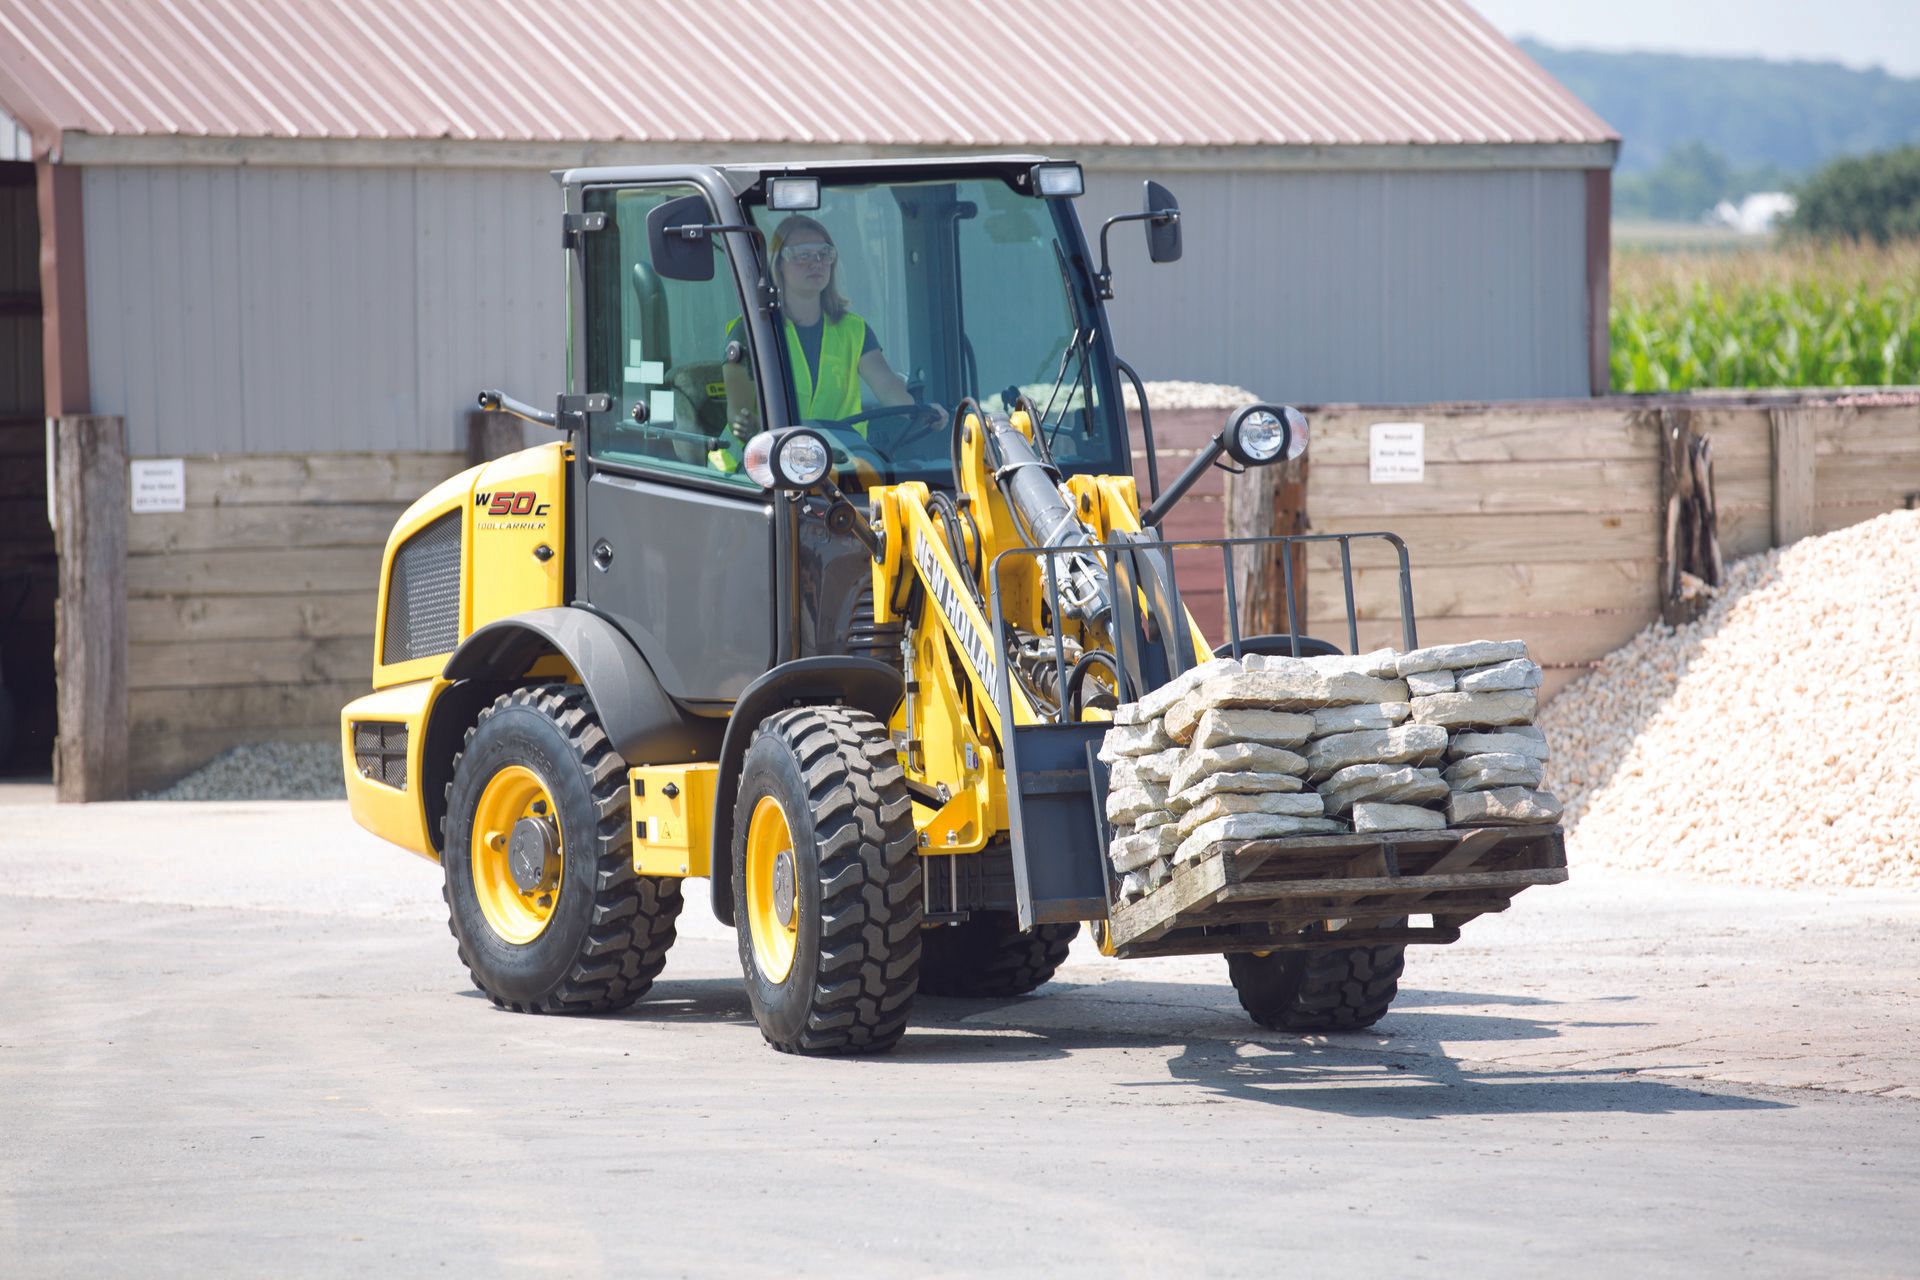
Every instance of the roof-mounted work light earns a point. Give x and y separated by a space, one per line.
1059 181
793 195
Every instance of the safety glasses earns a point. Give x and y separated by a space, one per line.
823 253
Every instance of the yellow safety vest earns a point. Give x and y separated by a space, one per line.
835 394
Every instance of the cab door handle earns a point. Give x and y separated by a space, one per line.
602 554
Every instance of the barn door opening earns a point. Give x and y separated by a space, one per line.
27 564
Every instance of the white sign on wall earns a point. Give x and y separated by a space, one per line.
1397 453
159 484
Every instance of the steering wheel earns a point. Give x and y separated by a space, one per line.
844 432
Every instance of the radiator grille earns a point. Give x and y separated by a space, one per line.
380 751
423 595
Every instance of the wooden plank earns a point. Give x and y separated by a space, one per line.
199 663
1489 539
90 647
243 573
280 479
1193 885
313 615
233 528
1793 466
23 522
1873 431
1828 519
1388 886
1485 488
1455 591
1554 679
1187 943
1553 639
1865 480
1745 531
1554 433
271 709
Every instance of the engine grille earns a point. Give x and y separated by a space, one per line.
423 595
380 751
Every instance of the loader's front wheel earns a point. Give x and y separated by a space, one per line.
1339 990
826 883
538 852
988 956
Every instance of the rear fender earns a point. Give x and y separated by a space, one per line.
863 683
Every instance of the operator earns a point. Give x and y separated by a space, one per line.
830 348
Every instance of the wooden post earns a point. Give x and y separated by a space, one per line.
1793 463
90 627
492 435
1263 501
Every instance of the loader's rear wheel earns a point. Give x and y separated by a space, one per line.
988 955
538 853
826 883
1340 990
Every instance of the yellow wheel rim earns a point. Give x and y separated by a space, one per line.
773 906
517 860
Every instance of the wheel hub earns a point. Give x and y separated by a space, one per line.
530 849
783 888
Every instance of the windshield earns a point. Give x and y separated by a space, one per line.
900 296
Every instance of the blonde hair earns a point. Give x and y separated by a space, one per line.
831 303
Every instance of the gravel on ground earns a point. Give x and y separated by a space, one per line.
264 771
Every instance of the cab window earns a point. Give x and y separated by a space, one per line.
662 344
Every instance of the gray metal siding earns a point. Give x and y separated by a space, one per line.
317 310
1384 287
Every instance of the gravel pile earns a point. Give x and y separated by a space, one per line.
1776 740
1277 746
264 771
1189 395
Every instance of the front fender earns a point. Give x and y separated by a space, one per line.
863 683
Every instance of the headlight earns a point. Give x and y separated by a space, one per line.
792 459
1261 433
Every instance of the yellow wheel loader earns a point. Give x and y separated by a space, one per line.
826 591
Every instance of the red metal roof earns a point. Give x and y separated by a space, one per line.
889 73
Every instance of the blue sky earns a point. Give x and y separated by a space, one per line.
1860 33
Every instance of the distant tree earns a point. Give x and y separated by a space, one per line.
1689 180
1873 197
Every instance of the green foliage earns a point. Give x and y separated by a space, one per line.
1799 317
1863 198
1690 180
1794 116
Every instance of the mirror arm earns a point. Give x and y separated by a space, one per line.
501 402
1153 515
844 517
1105 278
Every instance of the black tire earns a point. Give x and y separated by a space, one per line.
610 929
1341 990
987 955
856 898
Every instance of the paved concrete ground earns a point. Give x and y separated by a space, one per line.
234 1038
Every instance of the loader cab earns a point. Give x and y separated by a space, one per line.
966 282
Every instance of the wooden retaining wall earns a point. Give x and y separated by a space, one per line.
1544 521
250 614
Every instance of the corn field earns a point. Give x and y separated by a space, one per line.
1792 316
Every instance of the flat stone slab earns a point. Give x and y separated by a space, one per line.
1454 657
1250 826
1252 784
1304 804
1155 817
1475 710
1130 853
1152 770
1156 703
1502 807
1500 769
1129 805
1134 740
1381 783
1422 683
1296 686
1382 664
1241 757
1220 726
1519 740
1519 673
1366 715
1396 817
1407 744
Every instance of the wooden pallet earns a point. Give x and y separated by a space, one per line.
1287 894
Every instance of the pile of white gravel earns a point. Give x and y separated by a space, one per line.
264 771
1189 395
1776 740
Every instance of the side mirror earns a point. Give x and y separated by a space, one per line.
678 239
1163 224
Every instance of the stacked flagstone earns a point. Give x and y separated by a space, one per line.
1265 747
